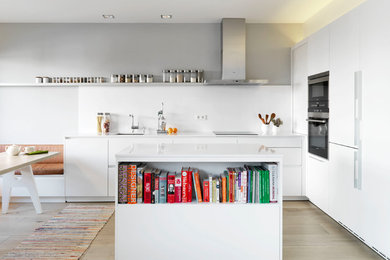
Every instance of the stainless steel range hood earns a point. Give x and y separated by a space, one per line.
233 54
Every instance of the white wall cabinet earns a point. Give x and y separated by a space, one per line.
344 67
86 163
300 88
318 182
318 51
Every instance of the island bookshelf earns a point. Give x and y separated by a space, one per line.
199 230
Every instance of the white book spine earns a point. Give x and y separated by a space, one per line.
244 185
218 186
211 188
274 183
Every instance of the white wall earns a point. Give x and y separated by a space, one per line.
37 114
45 115
227 107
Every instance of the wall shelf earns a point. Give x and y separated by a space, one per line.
106 84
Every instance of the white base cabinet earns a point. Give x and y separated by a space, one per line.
345 201
318 181
86 168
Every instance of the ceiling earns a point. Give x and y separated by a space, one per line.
149 11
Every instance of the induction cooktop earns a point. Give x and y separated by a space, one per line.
235 133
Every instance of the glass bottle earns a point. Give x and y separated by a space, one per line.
106 123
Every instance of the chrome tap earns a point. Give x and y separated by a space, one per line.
133 127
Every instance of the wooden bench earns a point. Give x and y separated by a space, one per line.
51 166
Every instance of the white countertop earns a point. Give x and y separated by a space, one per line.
196 152
183 135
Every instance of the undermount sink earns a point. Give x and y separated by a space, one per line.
131 133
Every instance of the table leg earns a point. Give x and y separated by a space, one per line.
29 182
8 180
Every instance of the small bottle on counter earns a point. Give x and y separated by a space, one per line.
149 78
165 76
179 76
106 123
99 119
38 80
194 76
172 76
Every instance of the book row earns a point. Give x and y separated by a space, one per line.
139 183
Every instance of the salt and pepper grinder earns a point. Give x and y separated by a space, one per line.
162 123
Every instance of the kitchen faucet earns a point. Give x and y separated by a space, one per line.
133 127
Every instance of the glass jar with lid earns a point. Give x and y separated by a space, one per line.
172 76
106 122
135 78
187 76
165 76
99 119
149 78
114 78
179 76
128 79
200 76
142 78
194 76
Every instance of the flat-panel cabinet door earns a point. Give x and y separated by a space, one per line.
318 52
317 182
344 63
375 63
300 88
345 201
86 165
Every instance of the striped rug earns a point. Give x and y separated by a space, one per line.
65 236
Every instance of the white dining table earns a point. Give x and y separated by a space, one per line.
9 164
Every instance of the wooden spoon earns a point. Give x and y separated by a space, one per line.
272 118
262 119
266 119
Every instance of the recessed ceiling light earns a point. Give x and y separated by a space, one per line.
166 16
108 16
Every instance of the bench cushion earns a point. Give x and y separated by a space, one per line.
46 169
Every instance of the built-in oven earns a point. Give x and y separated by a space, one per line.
318 92
318 112
318 133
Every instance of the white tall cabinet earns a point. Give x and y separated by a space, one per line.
318 52
299 88
375 65
359 57
344 78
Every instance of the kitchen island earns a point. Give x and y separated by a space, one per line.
90 164
199 230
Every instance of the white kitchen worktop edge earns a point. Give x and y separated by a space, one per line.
184 135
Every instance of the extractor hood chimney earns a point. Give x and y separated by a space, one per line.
233 54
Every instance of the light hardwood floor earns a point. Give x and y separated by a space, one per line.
308 233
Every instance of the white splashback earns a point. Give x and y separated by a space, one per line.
227 107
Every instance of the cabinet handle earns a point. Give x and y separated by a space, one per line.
357 173
316 121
